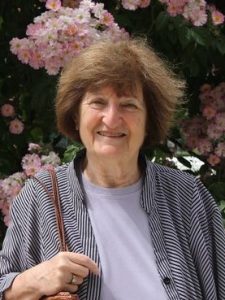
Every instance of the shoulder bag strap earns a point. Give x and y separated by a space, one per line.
54 196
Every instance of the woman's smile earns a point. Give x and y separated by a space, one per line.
110 134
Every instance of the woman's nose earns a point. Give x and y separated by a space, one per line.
112 116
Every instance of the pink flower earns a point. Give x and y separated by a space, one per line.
213 160
32 147
220 120
130 4
17 45
205 88
213 131
194 127
106 19
71 30
35 60
16 126
12 185
204 146
52 158
217 17
34 29
206 97
176 7
195 11
209 112
164 1
47 167
5 211
31 164
144 3
53 4
7 219
24 55
57 35
220 149
7 110
97 9
192 142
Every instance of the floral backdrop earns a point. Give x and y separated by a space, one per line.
39 37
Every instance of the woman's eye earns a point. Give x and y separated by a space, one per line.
130 105
97 103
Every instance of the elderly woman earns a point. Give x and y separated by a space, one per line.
134 229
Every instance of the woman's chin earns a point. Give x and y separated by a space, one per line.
110 151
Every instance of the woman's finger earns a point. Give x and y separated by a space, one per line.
76 280
78 270
72 288
84 261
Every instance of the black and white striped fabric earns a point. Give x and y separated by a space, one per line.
184 223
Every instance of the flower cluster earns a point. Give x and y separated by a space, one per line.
61 33
32 162
205 134
194 11
16 126
134 4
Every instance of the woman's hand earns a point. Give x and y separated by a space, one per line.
64 272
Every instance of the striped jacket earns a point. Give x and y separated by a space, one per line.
184 222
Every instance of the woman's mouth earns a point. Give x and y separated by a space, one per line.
111 134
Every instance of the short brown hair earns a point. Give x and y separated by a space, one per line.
121 65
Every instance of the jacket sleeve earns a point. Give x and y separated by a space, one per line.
207 239
13 253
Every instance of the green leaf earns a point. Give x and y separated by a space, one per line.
184 36
36 134
198 38
162 20
222 205
71 152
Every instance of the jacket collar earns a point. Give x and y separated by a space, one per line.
149 180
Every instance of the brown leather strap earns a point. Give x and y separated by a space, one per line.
54 196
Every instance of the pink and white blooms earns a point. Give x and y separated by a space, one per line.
134 4
217 17
176 7
34 148
61 33
7 110
51 159
31 163
53 4
16 126
9 188
205 134
195 11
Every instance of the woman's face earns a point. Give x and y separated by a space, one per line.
112 125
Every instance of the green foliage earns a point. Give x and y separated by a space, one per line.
72 151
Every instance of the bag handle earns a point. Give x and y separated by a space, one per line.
54 196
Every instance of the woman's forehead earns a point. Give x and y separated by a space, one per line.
121 90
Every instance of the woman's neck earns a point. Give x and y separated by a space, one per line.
111 173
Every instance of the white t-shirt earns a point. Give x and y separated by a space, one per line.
123 239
